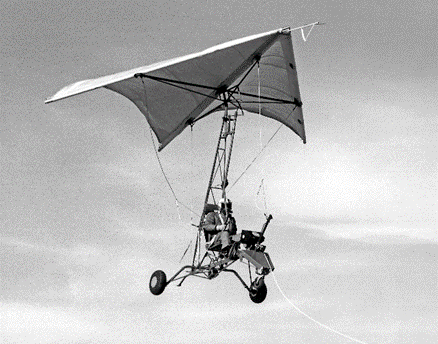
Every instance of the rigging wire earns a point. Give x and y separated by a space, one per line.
312 319
164 174
192 169
258 154
192 164
184 254
177 201
262 190
260 104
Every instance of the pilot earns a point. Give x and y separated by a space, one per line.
222 223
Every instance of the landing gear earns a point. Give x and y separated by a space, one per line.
258 290
252 252
157 282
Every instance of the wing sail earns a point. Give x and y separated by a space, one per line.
277 81
174 93
273 88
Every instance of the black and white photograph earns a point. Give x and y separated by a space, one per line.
218 172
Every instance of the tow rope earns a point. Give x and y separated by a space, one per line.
311 319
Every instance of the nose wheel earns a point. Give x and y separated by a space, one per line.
258 290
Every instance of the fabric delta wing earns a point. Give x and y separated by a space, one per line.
173 94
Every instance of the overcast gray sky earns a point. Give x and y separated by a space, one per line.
86 216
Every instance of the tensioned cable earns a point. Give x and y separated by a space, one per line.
259 153
184 254
192 169
310 318
261 190
173 192
165 177
260 104
161 166
167 180
192 164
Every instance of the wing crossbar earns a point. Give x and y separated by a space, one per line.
218 90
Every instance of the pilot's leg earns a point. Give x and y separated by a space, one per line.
225 239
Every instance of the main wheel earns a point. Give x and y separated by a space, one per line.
258 291
157 282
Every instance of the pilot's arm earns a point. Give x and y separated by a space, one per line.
211 223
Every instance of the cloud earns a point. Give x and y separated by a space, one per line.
46 324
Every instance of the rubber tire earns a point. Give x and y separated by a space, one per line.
258 294
157 282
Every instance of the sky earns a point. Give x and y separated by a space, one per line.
86 215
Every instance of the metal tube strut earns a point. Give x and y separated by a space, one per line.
219 173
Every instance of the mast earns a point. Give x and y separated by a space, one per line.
218 182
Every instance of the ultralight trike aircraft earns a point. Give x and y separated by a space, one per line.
257 74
